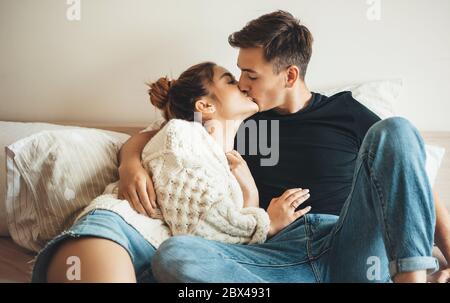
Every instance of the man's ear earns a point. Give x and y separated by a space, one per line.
292 74
204 107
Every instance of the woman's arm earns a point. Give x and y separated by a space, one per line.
240 170
135 184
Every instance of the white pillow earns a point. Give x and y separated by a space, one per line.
380 97
11 132
31 198
435 154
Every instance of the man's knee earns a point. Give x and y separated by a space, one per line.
396 133
172 257
394 126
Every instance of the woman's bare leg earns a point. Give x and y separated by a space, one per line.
100 260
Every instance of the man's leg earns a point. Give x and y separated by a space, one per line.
193 259
386 227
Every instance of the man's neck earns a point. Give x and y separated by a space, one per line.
298 99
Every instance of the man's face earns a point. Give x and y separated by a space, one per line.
258 79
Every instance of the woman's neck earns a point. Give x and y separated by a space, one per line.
223 132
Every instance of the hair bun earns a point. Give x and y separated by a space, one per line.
159 92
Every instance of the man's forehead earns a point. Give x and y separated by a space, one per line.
250 59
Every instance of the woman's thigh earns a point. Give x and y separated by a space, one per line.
101 238
89 259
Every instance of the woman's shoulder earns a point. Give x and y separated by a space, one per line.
178 137
181 133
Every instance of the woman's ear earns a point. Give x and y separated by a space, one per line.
293 73
204 107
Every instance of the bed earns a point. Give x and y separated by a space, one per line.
15 263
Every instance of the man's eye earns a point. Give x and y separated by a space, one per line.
252 78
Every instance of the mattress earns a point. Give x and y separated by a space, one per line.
15 262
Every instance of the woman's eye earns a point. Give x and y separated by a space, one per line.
232 81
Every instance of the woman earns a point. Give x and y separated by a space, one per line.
113 243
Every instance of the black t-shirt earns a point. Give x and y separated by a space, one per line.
318 147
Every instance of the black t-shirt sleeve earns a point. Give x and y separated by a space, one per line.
364 119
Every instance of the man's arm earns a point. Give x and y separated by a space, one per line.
135 184
131 150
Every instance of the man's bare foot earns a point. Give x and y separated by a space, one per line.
411 277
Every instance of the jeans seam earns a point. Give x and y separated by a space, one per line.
383 208
344 214
266 265
308 233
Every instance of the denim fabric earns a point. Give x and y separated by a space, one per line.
103 224
386 226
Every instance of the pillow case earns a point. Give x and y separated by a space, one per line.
52 176
380 97
11 132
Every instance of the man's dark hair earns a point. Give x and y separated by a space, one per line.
283 39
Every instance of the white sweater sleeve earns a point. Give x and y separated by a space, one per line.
224 222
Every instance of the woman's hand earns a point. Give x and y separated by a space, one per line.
240 170
282 212
136 186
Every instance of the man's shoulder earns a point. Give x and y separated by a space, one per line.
345 100
344 96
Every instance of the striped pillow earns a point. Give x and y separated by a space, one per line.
51 177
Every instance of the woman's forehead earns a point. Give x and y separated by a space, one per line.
219 71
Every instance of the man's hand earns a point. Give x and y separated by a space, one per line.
442 276
136 186
282 212
240 170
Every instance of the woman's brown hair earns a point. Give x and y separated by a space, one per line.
176 98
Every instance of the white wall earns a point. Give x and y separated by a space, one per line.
93 70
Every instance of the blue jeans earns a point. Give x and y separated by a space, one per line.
103 224
386 226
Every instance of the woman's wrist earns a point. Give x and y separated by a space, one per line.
251 198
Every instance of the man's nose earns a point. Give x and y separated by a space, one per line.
243 86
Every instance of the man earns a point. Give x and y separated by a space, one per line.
373 216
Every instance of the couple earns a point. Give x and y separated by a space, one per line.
371 216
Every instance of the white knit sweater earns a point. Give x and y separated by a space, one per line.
196 191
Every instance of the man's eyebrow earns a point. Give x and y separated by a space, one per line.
247 70
225 75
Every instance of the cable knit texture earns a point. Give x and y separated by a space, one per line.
196 191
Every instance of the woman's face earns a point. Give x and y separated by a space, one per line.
231 103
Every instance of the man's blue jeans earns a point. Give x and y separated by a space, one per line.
386 226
